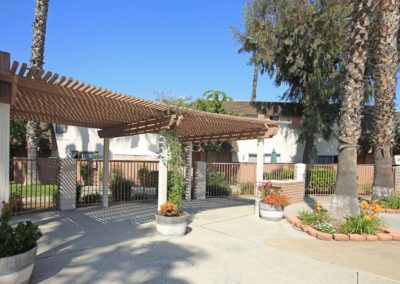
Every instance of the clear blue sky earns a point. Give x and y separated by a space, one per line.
140 47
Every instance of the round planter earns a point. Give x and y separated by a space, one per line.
18 268
173 227
269 212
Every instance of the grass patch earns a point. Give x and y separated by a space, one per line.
33 190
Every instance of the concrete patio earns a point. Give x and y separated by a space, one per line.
225 243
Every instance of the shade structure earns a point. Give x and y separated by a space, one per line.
48 97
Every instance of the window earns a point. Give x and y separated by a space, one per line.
61 128
326 159
85 155
281 118
267 158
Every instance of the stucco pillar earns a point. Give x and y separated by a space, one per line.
162 169
201 179
5 94
300 172
259 172
189 171
67 197
106 159
396 179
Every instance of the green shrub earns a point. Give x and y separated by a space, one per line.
54 196
321 179
216 184
86 173
121 188
176 188
246 188
279 174
92 198
361 224
78 193
392 202
144 176
19 240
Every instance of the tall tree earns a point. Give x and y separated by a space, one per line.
37 61
255 80
385 69
345 198
302 43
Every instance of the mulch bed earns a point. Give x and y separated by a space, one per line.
386 234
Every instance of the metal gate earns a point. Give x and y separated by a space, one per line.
34 184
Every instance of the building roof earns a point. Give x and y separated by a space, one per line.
48 97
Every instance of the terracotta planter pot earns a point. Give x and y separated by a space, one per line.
269 212
172 227
17 269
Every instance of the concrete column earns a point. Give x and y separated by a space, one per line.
106 159
300 172
259 172
201 179
162 169
189 171
67 192
5 96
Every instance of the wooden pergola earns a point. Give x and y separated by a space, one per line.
37 95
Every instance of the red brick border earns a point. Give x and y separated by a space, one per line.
386 234
384 210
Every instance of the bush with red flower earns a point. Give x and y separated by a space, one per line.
276 198
263 188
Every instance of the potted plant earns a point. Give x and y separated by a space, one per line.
171 220
18 247
273 201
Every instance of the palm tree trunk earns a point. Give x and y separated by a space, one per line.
37 60
345 198
255 80
385 86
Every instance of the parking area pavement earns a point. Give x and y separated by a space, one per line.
225 243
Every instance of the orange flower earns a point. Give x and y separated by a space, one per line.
364 204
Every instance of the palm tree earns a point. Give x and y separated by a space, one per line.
37 60
345 198
255 80
385 88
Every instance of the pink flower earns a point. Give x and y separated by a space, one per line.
268 183
4 203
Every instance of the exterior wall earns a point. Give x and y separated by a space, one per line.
87 140
294 190
286 145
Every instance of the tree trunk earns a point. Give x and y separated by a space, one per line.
385 86
51 136
308 150
345 198
255 80
37 60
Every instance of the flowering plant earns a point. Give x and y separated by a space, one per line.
263 188
276 198
168 209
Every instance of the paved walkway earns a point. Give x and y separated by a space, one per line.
225 243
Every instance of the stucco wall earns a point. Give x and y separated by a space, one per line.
86 139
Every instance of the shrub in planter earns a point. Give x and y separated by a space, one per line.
216 184
121 188
273 202
17 247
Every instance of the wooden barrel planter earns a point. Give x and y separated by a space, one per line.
172 226
269 212
17 269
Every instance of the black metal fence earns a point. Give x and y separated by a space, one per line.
34 184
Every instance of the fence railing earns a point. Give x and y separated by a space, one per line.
128 181
33 184
321 179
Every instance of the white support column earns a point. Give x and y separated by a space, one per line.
4 152
189 171
300 172
259 172
162 170
5 97
106 158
